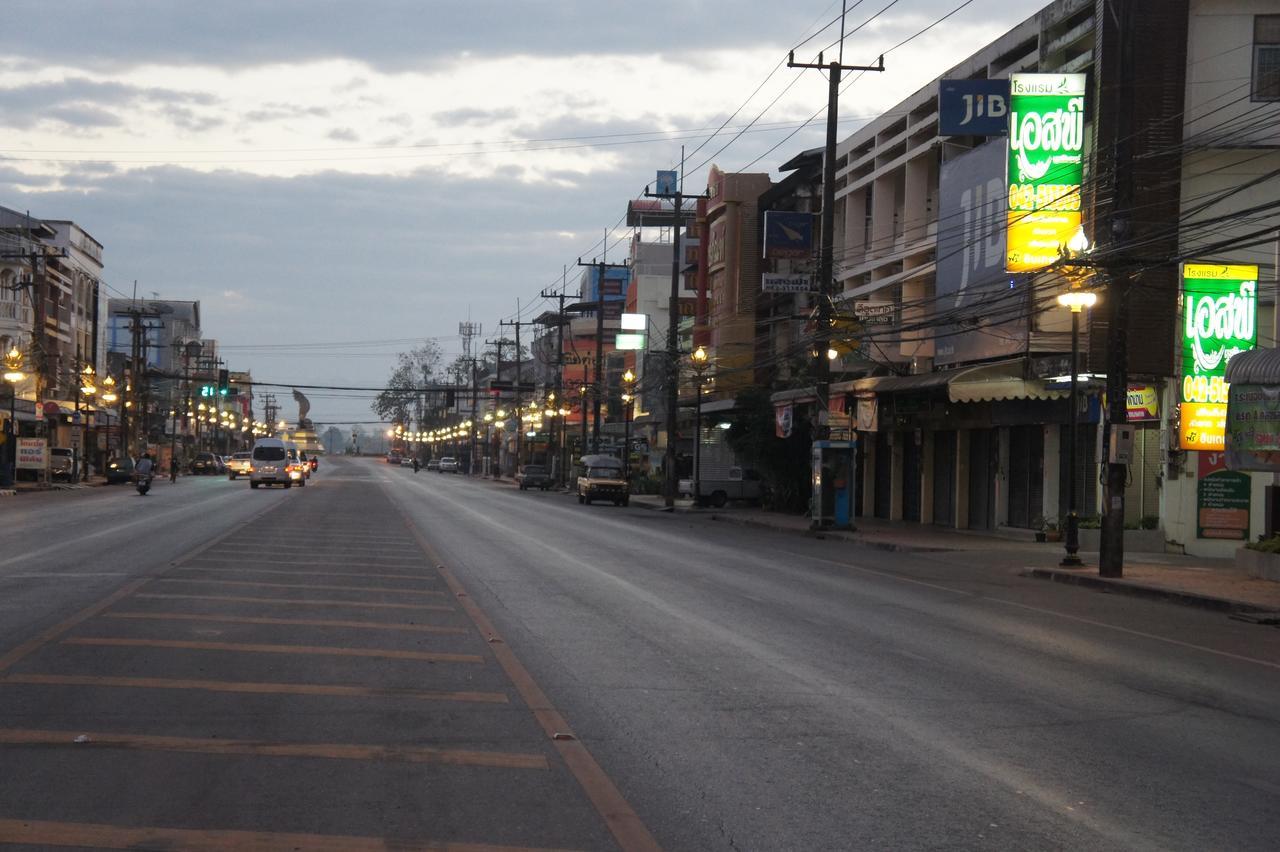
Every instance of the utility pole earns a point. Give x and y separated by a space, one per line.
561 297
1116 22
826 264
598 381
468 330
519 381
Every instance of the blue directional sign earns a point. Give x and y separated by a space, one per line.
788 234
666 183
973 107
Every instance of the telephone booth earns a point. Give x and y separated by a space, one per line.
834 484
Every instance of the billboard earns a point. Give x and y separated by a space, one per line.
980 311
1045 166
788 235
1219 320
973 107
1253 427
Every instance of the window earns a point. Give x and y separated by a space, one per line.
1266 58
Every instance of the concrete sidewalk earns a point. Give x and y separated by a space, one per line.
1195 581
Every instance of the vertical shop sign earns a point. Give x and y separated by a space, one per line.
1219 321
1045 167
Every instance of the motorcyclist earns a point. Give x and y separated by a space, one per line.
173 468
416 464
145 466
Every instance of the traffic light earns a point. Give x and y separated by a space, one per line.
224 379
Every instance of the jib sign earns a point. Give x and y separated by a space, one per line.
973 107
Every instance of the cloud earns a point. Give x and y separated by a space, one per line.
343 134
472 115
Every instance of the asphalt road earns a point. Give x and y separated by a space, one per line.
275 669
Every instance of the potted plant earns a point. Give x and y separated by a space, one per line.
1052 531
1040 525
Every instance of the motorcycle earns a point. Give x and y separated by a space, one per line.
143 483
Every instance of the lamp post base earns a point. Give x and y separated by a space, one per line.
1071 542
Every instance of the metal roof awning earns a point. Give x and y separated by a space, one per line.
999 382
984 383
1255 367
797 395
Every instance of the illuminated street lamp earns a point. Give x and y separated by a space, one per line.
13 375
628 398
1075 300
80 455
699 361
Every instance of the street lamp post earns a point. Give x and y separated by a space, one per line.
80 456
628 398
1076 300
12 375
699 361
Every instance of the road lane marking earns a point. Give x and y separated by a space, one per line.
263 648
8 660
294 601
101 836
621 819
255 748
223 558
312 587
299 622
419 577
252 687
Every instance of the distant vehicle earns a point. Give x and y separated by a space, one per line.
119 470
534 476
448 464
297 465
603 479
239 465
434 464
61 462
393 458
271 464
205 463
406 462
717 489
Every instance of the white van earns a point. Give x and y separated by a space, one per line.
271 464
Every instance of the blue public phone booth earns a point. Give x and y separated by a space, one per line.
834 484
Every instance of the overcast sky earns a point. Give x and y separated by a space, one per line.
350 179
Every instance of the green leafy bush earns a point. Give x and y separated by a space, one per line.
1270 545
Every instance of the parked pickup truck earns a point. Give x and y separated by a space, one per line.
716 488
534 476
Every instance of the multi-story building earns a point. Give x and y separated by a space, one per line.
962 415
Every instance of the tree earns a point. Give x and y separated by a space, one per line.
783 463
413 369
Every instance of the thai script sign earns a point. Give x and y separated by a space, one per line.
1219 320
1045 166
1222 500
973 107
788 235
875 312
1253 427
772 282
33 454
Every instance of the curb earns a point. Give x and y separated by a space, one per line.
852 538
1128 587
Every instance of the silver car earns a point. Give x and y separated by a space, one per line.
449 464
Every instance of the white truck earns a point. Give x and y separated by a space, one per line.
720 478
